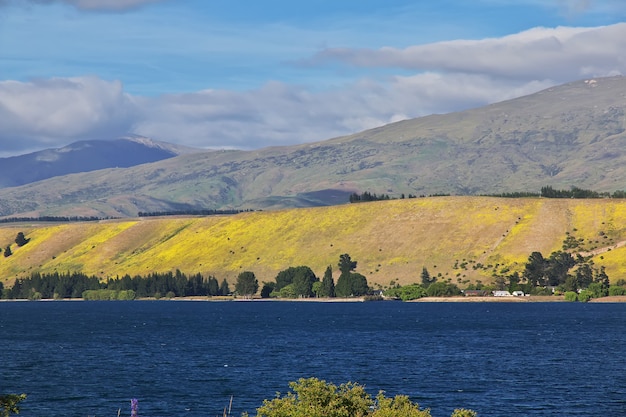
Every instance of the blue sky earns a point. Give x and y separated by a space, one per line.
249 74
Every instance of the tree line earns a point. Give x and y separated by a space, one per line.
293 282
191 212
301 282
561 272
59 219
367 196
74 285
574 192
546 192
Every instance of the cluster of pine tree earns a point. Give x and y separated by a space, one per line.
367 196
72 285
574 192
190 212
59 219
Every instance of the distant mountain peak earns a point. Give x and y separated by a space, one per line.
85 156
166 146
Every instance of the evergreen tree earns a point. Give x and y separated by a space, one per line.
602 278
224 290
213 286
328 284
7 251
426 279
343 287
20 240
346 264
584 276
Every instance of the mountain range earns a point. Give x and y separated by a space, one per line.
569 135
84 156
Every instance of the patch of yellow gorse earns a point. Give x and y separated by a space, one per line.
390 240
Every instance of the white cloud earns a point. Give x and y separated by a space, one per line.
52 112
438 78
281 114
108 4
90 5
561 53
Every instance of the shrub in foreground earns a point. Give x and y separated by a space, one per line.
313 397
9 404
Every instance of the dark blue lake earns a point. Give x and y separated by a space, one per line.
188 358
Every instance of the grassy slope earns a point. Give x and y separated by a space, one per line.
563 136
390 240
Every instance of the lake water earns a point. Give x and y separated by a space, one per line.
188 358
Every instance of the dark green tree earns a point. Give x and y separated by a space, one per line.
535 269
302 278
20 240
285 277
328 284
346 264
351 285
558 265
246 284
602 278
358 285
7 251
584 276
344 286
213 286
224 289
303 281
267 289
426 279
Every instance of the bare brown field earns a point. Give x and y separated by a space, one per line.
610 299
456 238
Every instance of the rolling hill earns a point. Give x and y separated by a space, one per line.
570 135
456 238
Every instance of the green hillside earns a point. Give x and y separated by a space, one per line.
461 238
570 135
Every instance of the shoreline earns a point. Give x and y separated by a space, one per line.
492 299
456 299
